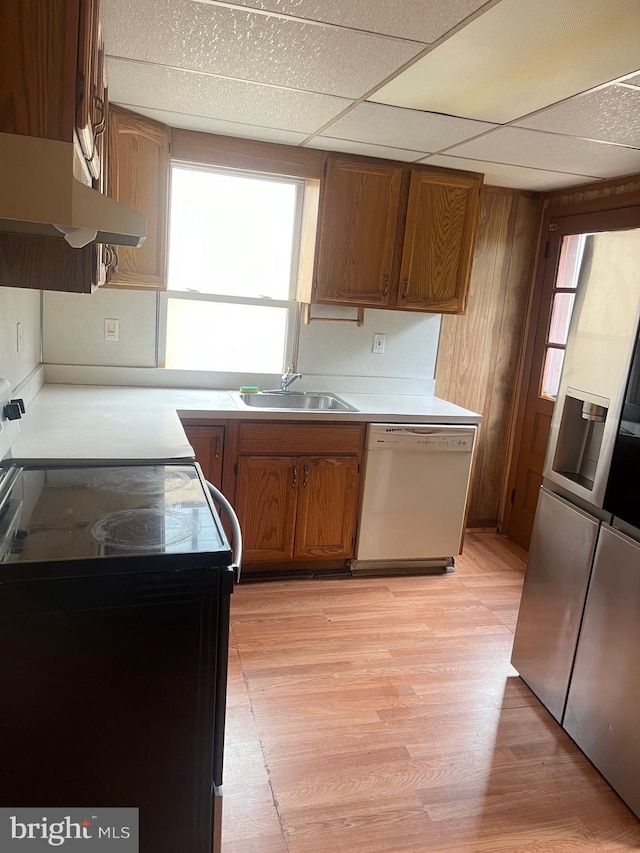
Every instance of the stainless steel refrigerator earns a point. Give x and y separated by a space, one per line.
579 620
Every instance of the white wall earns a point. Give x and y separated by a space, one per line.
73 334
73 329
18 305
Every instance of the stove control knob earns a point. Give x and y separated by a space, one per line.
13 410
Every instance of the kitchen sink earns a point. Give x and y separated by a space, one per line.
296 400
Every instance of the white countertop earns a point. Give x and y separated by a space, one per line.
95 422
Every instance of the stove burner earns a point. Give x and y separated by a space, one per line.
144 529
140 481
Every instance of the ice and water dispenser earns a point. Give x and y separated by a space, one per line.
580 435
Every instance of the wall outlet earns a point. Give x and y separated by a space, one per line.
111 329
19 337
378 343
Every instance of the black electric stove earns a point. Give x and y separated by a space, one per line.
115 586
56 522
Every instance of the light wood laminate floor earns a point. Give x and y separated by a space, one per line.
382 716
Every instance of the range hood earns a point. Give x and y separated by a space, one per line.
41 192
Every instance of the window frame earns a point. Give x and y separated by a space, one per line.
292 304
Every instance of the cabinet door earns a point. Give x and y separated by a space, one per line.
38 54
139 178
327 504
208 445
87 94
438 243
357 233
46 263
267 488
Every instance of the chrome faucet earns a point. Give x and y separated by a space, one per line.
288 378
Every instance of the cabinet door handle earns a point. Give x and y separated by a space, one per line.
116 259
305 471
385 286
100 125
216 452
405 290
294 476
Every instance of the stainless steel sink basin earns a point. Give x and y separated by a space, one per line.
296 400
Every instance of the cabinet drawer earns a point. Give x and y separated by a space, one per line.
291 439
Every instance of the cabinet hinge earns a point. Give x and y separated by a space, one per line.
235 469
546 249
358 471
513 494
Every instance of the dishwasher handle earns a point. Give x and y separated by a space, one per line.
236 534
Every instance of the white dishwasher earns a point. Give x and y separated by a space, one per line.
416 481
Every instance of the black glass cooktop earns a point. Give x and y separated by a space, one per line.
79 513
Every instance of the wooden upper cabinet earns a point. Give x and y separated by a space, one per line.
357 234
438 242
38 61
139 177
395 236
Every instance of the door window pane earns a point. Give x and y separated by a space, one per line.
561 317
570 261
551 374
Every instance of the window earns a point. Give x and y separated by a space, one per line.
233 259
564 294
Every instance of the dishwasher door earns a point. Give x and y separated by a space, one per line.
416 482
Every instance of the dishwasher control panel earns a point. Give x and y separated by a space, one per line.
421 437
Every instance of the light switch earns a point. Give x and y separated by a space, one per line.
111 329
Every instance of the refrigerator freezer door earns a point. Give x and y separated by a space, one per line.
553 596
602 709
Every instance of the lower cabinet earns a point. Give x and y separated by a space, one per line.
296 507
296 489
208 446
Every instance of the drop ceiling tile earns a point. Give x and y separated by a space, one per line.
538 150
520 56
632 81
226 128
500 175
420 20
611 114
156 87
400 128
247 46
366 149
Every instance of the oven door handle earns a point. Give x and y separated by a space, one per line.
236 534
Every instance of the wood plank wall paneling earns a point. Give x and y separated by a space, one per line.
479 352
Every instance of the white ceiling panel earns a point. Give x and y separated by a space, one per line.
365 149
520 56
633 81
247 46
156 87
611 115
419 20
226 128
501 175
400 128
539 150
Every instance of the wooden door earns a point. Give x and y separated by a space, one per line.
327 504
139 177
357 232
208 446
439 239
266 495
